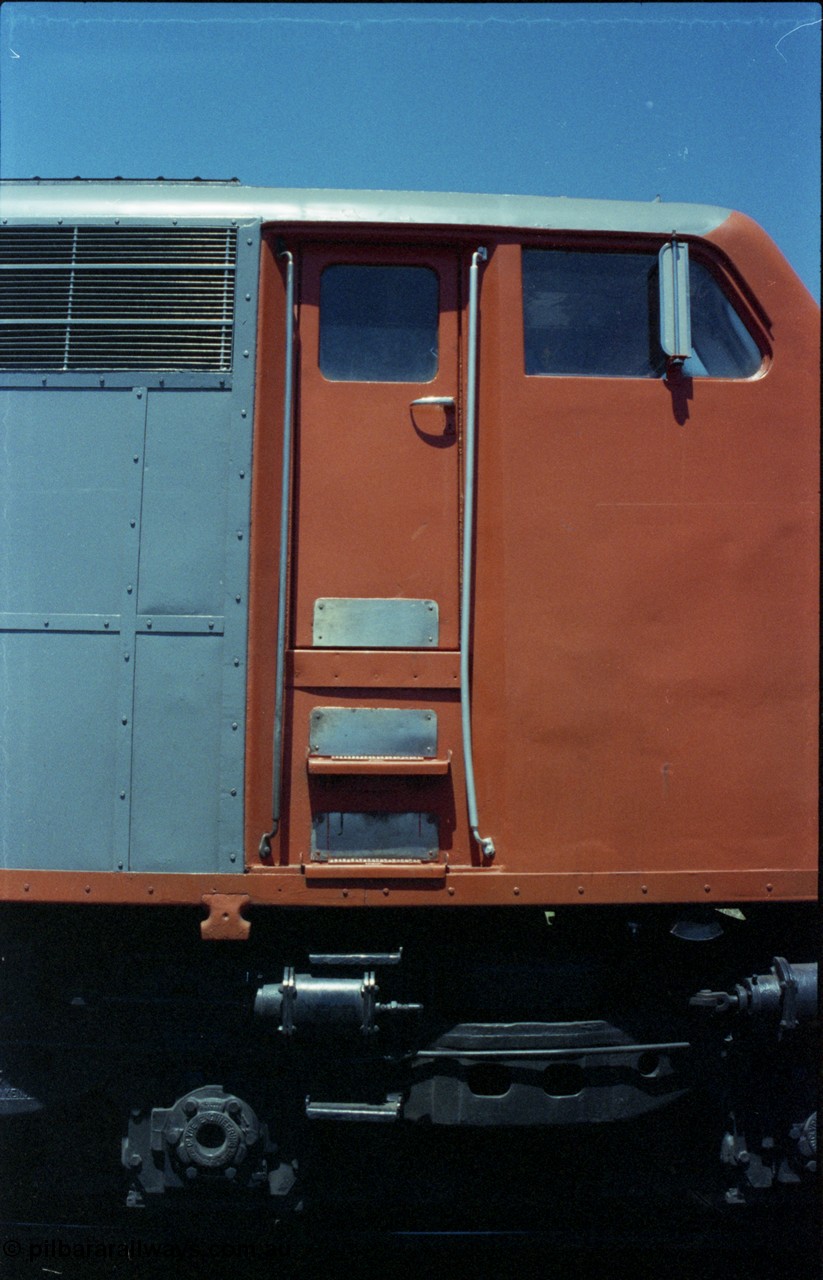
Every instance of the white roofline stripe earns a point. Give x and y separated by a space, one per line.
78 200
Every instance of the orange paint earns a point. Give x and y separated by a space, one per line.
644 643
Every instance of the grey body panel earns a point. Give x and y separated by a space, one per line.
124 521
182 563
59 765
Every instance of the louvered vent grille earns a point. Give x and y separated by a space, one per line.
80 298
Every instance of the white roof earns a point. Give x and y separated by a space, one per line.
76 200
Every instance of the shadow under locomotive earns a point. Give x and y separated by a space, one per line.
638 1063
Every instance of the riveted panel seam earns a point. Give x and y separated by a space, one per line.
237 526
132 515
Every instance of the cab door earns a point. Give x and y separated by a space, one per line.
375 560
377 501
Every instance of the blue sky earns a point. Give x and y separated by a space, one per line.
711 102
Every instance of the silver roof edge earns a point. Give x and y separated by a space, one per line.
78 200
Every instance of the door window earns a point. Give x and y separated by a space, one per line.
378 323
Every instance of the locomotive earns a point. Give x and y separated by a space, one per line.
408 637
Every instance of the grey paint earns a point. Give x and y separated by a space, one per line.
124 522
67 483
78 200
63 485
58 752
184 503
176 754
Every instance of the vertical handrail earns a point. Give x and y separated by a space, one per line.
485 843
285 512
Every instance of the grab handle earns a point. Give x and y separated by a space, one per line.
485 842
285 513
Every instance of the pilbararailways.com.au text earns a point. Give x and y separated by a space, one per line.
90 1249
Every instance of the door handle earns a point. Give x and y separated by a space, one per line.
446 401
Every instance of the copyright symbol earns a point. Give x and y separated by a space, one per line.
12 1248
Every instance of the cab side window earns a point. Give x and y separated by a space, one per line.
723 346
588 314
596 314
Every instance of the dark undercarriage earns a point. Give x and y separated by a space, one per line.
481 1063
